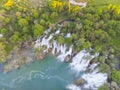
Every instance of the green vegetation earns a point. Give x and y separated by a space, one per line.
116 75
2 52
104 87
102 3
96 26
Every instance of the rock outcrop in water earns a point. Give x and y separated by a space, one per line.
40 56
80 82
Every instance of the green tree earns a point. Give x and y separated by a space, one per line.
54 15
22 22
35 13
61 40
38 30
87 45
116 75
42 22
69 40
15 38
3 31
104 68
101 35
104 87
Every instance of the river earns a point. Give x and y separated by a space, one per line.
48 74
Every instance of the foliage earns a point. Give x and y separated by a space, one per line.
104 87
116 75
22 22
9 3
3 31
35 13
56 5
104 68
61 40
2 52
38 30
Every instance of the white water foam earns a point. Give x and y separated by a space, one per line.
56 48
73 87
68 35
94 78
80 63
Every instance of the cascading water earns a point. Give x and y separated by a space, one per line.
52 73
80 63
94 78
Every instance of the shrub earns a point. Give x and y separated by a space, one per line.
116 75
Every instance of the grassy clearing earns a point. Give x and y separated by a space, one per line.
103 2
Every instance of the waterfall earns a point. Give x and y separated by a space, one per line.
68 35
58 31
80 62
56 48
64 53
94 78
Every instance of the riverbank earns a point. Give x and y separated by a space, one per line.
50 73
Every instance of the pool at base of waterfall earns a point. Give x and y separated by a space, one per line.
48 74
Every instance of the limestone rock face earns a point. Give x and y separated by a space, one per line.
68 58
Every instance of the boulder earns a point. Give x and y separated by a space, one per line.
40 56
111 56
80 82
114 85
49 50
111 50
68 58
93 61
74 52
7 68
16 66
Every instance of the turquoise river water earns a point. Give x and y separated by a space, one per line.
48 74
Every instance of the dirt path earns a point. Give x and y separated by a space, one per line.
82 4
